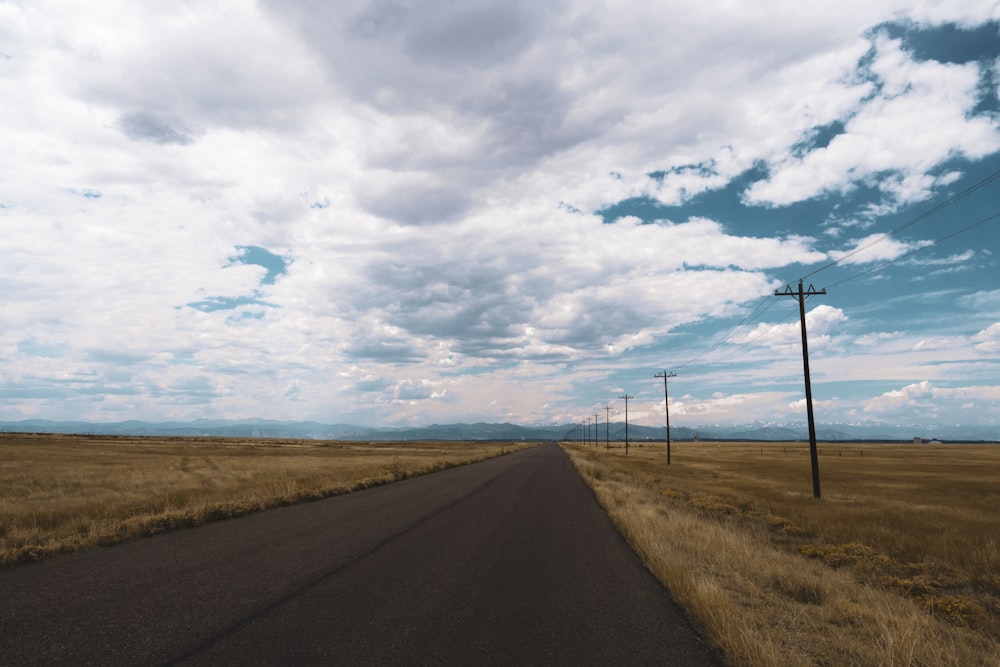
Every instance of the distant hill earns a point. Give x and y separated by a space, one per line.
263 428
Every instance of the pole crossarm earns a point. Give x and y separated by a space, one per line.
788 291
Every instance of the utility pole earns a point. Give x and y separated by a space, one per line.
666 408
607 427
596 423
800 296
627 399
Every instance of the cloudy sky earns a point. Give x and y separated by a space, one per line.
403 212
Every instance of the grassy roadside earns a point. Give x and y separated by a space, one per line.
62 493
898 564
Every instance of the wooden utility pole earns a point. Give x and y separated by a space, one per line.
597 422
800 296
627 399
607 427
666 407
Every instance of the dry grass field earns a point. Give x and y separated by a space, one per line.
897 564
62 493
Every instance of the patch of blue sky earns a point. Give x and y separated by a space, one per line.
948 43
276 265
214 303
819 137
22 392
954 44
182 357
246 315
725 205
87 193
704 169
33 348
476 370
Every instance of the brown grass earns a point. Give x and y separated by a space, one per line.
897 564
62 493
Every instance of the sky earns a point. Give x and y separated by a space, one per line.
402 212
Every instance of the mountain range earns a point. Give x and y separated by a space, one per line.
308 430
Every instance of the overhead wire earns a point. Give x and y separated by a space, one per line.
766 303
916 250
755 314
923 216
751 340
769 301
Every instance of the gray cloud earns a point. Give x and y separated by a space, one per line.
158 129
414 203
469 62
394 351
425 50
117 357
373 384
478 34
412 155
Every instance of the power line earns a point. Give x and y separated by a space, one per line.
747 343
753 339
764 305
916 250
758 312
923 216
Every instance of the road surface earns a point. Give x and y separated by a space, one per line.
509 561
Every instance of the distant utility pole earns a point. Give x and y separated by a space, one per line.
607 427
800 296
666 408
627 399
596 423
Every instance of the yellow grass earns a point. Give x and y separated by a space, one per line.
897 564
62 493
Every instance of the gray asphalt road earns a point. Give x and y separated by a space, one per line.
509 561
